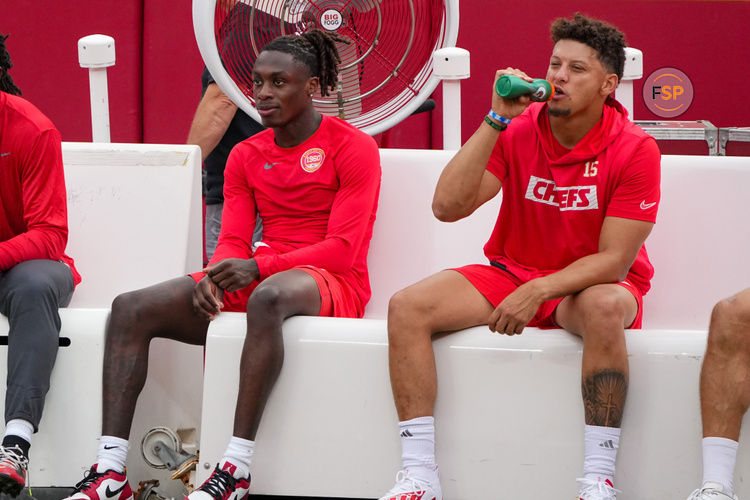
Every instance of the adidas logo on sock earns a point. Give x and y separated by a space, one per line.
406 434
607 444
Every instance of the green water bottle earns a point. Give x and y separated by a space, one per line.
511 87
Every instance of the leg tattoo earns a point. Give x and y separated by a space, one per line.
604 398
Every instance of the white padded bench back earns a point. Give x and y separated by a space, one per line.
408 242
697 245
701 239
134 216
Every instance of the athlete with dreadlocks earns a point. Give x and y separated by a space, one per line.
36 277
314 180
6 82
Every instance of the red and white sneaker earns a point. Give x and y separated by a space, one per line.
222 485
105 485
410 487
13 470
596 489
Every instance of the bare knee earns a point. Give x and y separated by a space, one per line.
602 323
128 310
604 310
730 327
128 304
267 299
407 315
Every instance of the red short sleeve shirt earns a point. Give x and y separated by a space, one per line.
555 199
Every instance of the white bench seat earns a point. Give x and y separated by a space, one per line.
509 413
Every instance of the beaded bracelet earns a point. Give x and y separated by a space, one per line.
499 118
494 125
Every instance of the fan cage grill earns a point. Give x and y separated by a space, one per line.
386 65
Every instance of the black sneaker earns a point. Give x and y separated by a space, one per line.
14 466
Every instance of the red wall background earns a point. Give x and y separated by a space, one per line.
155 85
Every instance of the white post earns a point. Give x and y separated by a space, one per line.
633 71
451 114
451 65
97 52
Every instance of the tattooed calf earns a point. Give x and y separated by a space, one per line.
604 398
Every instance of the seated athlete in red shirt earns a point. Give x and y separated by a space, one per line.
36 277
580 189
314 181
724 390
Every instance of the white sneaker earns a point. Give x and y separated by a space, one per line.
596 489
409 487
712 491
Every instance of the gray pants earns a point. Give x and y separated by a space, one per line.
213 228
30 294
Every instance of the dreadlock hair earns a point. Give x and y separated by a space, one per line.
6 82
605 39
316 50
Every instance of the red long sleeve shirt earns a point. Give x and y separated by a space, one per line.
33 207
317 202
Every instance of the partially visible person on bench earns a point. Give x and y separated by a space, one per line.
580 189
314 181
725 395
36 277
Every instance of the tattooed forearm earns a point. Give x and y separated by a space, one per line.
604 397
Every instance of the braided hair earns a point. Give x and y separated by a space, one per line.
6 82
316 50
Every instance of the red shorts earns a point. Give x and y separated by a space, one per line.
496 284
337 298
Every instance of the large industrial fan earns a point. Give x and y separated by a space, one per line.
386 69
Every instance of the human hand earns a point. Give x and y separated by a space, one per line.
516 310
510 108
233 274
207 298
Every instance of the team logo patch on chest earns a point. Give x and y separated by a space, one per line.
312 159
567 198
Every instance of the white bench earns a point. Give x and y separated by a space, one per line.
509 411
330 426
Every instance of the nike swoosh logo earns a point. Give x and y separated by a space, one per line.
646 206
109 447
269 166
4 154
111 493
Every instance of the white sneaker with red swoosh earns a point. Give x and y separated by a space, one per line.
596 489
410 487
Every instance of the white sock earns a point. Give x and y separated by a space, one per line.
21 428
113 452
418 446
600 452
719 457
239 453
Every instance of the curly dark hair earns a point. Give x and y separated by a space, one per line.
605 39
6 82
316 50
